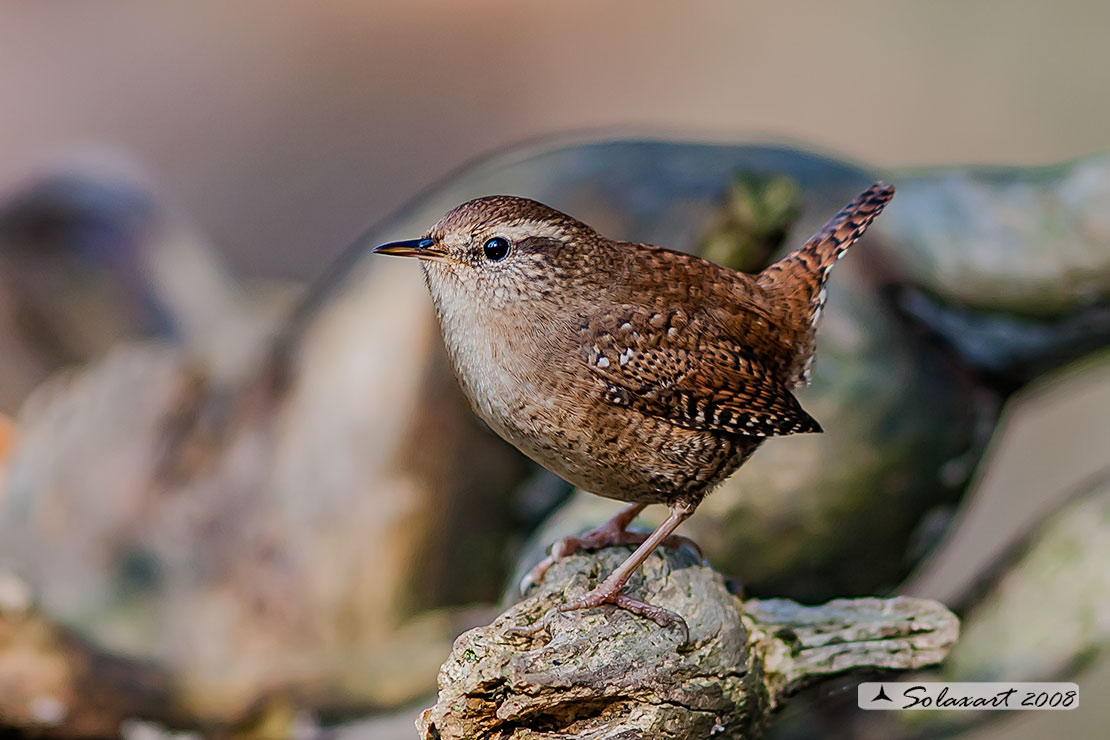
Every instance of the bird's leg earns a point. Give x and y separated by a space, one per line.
612 533
609 590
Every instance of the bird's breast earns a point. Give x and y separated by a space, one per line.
510 381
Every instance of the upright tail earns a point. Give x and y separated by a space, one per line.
797 281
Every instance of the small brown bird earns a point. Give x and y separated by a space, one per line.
635 372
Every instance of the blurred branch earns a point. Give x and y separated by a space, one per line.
604 674
54 683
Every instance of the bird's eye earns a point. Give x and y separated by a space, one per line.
496 249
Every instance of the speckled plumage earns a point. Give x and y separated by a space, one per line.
635 372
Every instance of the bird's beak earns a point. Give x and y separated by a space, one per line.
419 248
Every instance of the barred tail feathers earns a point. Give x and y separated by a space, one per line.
797 282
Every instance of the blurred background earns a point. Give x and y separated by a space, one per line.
230 508
288 128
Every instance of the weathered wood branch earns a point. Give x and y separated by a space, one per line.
604 674
54 683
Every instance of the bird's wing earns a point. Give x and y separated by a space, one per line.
666 365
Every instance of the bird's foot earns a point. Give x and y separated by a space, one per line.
599 597
603 595
610 534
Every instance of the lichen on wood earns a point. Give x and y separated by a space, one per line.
605 674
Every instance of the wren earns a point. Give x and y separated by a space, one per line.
634 372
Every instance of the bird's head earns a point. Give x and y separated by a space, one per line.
499 250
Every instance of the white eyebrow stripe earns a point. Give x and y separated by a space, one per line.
522 230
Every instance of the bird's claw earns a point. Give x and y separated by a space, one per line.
535 576
542 625
596 540
663 617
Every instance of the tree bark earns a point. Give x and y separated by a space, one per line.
605 674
